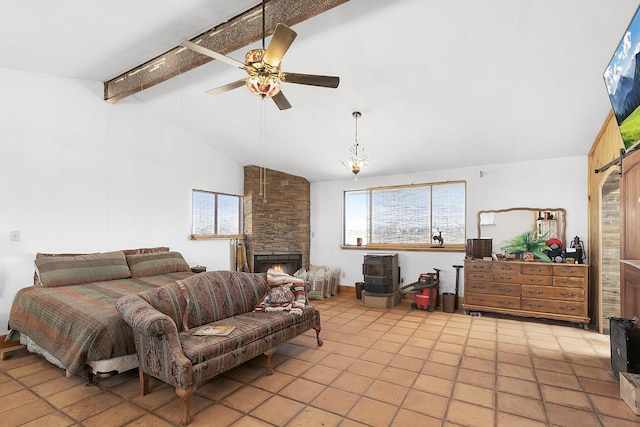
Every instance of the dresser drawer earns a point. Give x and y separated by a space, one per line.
536 269
494 288
570 270
506 268
487 300
571 308
477 266
571 282
479 276
506 277
536 280
553 293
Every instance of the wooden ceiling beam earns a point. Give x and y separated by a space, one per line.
227 37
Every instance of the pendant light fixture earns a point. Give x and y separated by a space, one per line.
357 158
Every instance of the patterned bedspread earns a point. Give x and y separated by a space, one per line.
80 322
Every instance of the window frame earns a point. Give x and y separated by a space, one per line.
215 218
427 246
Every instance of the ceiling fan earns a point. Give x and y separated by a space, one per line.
263 67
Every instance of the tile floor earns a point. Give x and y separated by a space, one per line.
377 367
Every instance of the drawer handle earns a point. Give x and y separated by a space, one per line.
562 307
530 304
538 292
477 299
571 294
505 289
477 286
535 280
505 302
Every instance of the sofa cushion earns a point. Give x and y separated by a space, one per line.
74 270
271 328
216 295
152 264
166 300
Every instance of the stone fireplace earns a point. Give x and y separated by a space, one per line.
281 225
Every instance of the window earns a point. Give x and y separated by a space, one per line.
406 216
215 215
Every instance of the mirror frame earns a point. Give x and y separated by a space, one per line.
562 227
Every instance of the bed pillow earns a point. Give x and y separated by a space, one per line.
74 270
152 264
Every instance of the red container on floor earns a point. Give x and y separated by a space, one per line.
427 299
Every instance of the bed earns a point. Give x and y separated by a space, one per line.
69 315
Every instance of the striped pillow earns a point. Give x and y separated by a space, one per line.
152 264
73 270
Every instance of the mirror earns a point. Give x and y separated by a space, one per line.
504 224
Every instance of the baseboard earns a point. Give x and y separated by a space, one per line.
346 290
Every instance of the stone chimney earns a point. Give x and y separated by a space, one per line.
281 224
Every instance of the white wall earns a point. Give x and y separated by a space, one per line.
560 182
80 175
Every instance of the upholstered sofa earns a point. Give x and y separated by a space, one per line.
164 320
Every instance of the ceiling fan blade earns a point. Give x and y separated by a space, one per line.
279 44
281 101
227 87
310 79
208 52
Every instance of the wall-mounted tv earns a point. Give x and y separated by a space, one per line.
622 78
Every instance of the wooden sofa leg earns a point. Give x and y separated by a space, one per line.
319 341
269 354
144 383
185 395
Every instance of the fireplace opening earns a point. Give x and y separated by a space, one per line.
287 263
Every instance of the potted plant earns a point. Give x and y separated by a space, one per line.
528 242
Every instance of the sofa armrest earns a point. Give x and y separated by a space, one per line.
144 318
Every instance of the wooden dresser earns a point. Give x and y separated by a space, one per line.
532 289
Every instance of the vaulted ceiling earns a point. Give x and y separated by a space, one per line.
440 83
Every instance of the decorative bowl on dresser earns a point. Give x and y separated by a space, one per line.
530 289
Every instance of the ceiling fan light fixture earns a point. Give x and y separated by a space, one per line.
264 86
357 159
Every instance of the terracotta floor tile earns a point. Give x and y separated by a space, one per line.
601 388
510 420
475 342
277 410
617 422
444 358
516 371
435 385
520 387
387 392
57 385
352 383
522 406
613 407
440 370
558 379
512 348
115 416
409 418
272 383
426 403
564 416
350 350
336 401
55 419
465 414
398 376
302 390
321 374
481 353
29 411
151 420
562 396
246 398
92 405
475 377
372 412
475 363
475 395
315 417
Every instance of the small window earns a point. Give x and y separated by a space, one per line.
405 216
215 215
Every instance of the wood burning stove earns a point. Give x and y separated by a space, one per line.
381 273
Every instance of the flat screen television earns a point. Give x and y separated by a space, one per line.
622 79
